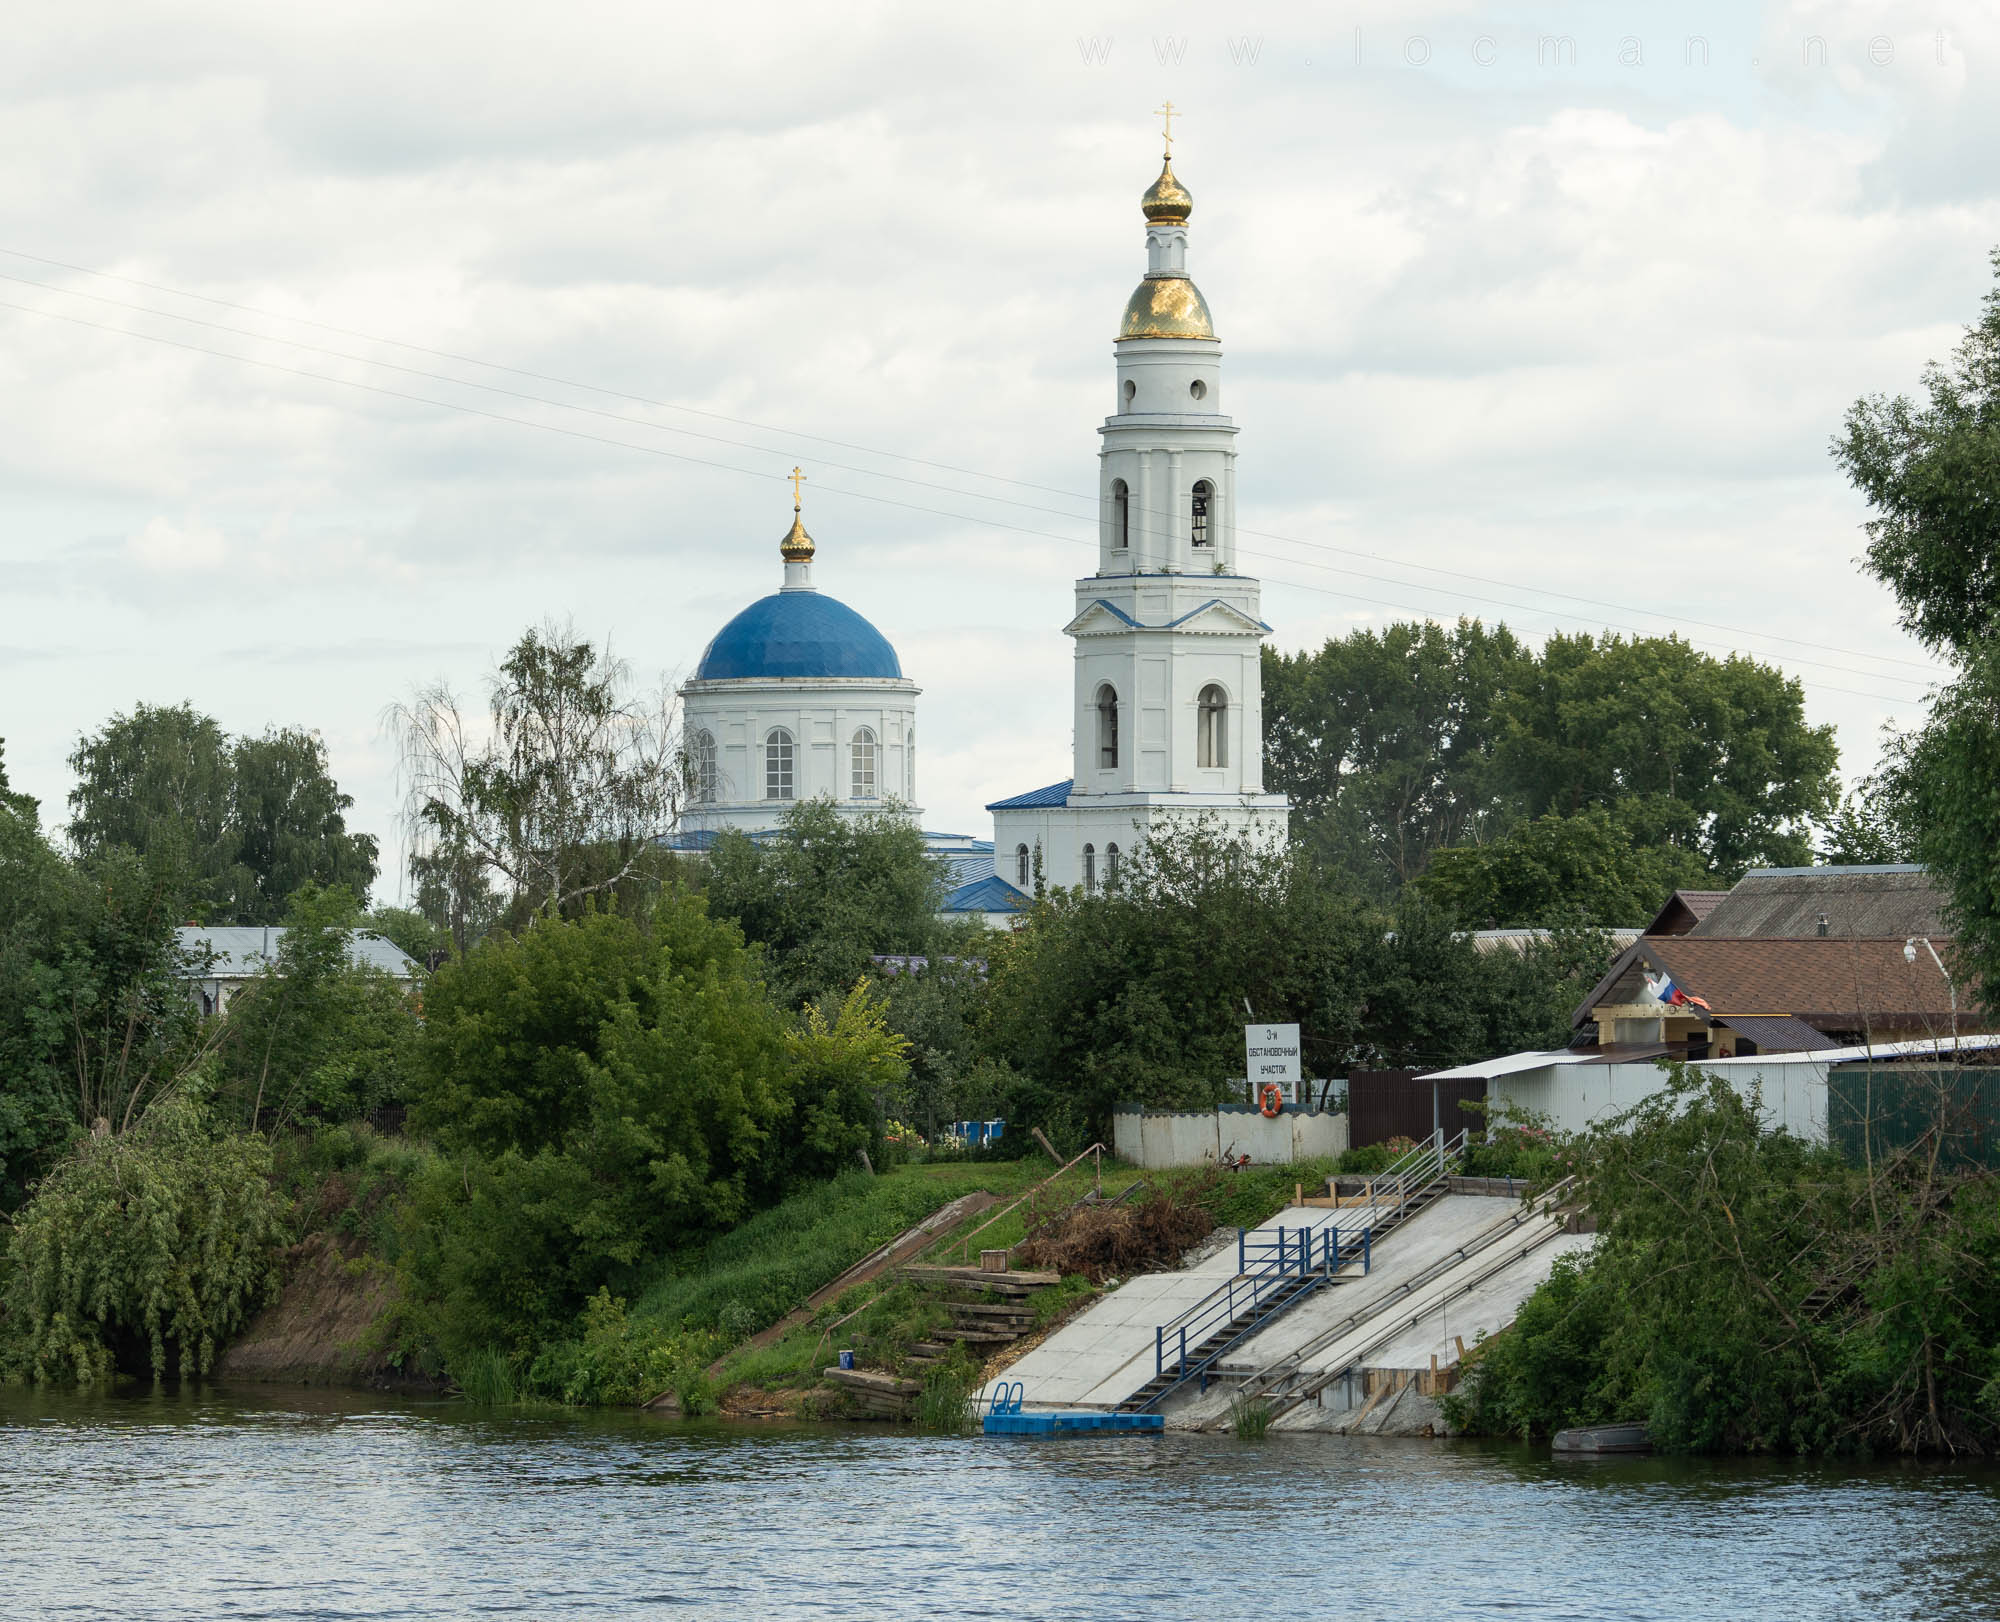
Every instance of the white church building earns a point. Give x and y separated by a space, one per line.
799 696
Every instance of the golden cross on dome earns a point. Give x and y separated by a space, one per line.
1167 113
798 478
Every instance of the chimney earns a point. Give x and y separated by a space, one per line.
1822 923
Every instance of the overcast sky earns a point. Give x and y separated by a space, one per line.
1565 298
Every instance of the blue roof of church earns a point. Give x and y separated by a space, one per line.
1056 794
799 634
990 894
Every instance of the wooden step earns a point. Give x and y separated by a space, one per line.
1012 1313
974 1278
981 1336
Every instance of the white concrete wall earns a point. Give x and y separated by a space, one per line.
1153 1139
1576 1097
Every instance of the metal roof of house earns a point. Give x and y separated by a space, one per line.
990 894
1916 1048
1055 795
1780 1033
238 951
1858 903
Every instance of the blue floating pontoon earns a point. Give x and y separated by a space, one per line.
1004 1418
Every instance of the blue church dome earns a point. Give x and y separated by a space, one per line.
798 634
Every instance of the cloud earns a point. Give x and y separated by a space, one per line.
171 548
1580 332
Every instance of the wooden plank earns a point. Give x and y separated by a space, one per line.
869 1382
973 1278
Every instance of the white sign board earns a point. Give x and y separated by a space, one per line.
1272 1052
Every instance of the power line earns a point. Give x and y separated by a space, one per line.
1932 671
859 495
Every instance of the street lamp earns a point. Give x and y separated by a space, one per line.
1910 957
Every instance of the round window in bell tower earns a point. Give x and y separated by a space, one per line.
1131 391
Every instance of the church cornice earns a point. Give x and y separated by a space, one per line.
1090 621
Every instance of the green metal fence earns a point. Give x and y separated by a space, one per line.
1874 1110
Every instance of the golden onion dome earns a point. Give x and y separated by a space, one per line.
1167 201
1166 307
796 547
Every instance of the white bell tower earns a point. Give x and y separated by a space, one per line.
1169 695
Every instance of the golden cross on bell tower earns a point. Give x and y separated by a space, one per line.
1167 113
798 478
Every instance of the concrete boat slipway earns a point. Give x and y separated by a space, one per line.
1341 1318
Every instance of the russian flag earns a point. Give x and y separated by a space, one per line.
1663 989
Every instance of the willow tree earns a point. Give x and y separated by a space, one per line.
560 792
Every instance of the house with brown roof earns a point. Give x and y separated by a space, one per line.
1790 980
1789 960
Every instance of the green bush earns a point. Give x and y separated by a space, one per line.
614 1363
145 1248
1750 1292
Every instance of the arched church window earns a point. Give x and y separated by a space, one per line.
1021 871
1121 515
1204 495
1090 867
778 765
1212 727
864 764
1110 865
701 767
1107 726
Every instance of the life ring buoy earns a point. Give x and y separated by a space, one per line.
1270 1100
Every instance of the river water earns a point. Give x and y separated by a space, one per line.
262 1503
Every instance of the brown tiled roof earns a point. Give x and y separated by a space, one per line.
1683 910
1833 983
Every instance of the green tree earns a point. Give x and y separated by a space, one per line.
561 798
143 1250
96 1021
1943 783
844 1068
1555 869
250 819
289 819
605 1091
1929 472
825 892
1138 993
158 781
1704 755
317 1036
21 805
1384 742
1866 828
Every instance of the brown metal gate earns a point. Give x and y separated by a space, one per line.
1385 1104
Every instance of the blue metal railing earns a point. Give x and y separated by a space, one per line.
1274 1266
1006 1398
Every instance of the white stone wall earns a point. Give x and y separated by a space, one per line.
1154 1139
822 717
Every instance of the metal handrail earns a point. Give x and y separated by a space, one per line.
1244 1294
1266 1381
965 1245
